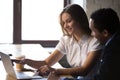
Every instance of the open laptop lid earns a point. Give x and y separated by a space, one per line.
7 64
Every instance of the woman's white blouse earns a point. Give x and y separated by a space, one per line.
77 52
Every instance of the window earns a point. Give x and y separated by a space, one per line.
40 19
18 36
6 21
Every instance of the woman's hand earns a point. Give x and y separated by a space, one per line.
45 70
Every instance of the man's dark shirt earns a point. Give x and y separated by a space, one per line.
110 60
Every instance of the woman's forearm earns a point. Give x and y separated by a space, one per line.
34 64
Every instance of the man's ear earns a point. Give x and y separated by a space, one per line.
105 33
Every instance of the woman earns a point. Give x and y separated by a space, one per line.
81 49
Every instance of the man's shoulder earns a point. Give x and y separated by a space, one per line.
116 38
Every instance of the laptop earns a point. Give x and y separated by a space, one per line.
7 63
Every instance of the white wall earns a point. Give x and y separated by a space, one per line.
92 5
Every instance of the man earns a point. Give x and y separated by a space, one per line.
105 26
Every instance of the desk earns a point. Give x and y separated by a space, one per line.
31 51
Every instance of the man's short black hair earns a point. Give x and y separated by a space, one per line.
106 18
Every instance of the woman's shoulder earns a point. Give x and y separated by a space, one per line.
88 39
66 37
93 39
94 43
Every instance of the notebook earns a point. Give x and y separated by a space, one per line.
12 72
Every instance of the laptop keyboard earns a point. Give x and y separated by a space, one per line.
23 75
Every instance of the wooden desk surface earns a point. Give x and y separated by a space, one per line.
31 51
